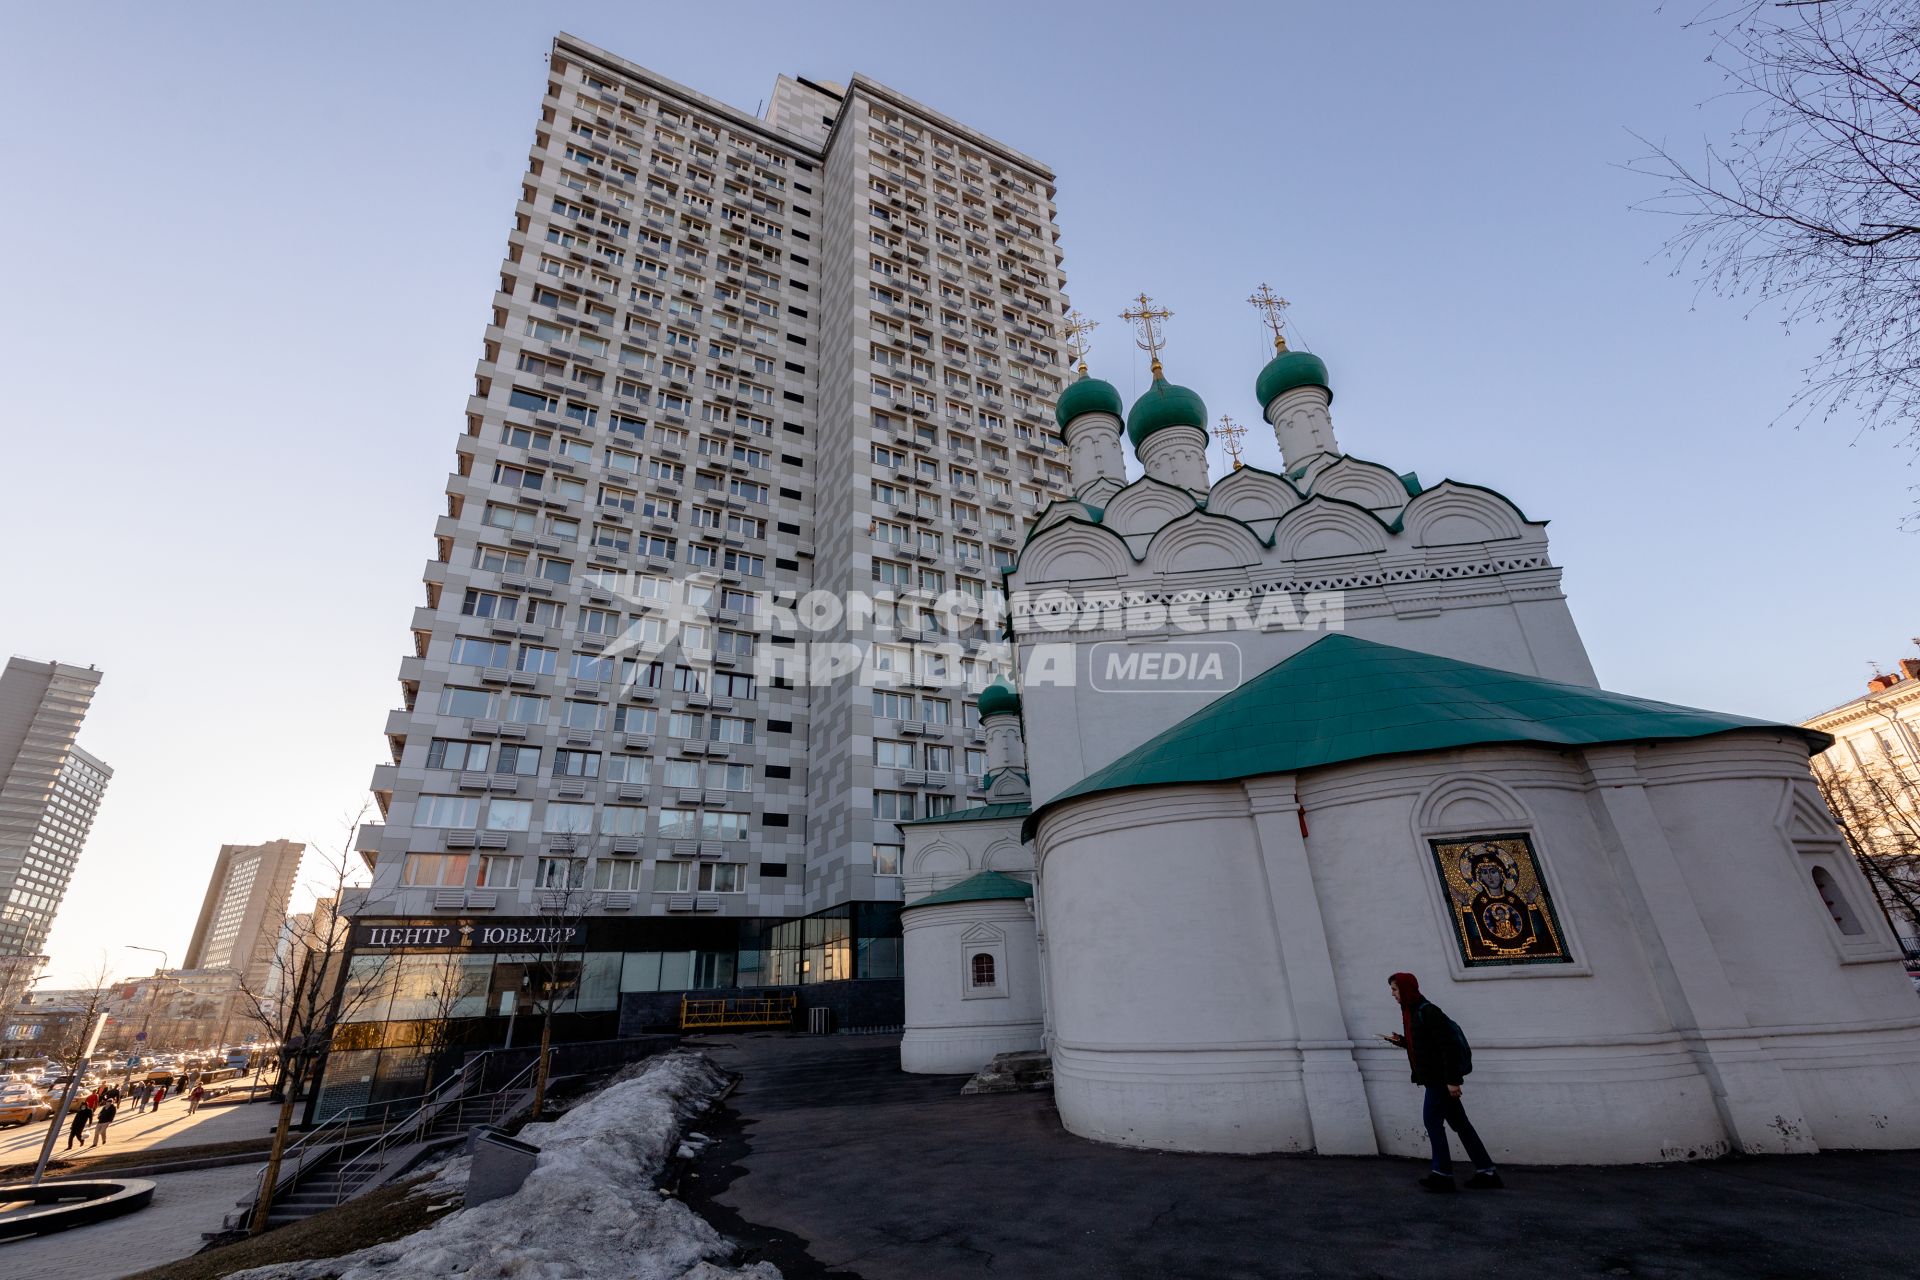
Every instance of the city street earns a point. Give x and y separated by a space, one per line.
168 1126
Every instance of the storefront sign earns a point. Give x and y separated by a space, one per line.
466 935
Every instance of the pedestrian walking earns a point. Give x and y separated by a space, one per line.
102 1119
1440 1057
195 1098
82 1116
159 1095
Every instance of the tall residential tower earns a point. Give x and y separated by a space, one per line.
49 793
732 360
244 910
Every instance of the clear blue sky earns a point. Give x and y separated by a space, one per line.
252 248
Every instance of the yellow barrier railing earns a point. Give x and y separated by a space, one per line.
756 1011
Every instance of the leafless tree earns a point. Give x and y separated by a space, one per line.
451 983
1812 205
305 999
1877 804
554 976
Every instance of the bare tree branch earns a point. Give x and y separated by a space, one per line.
1812 205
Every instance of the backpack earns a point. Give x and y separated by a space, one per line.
1462 1051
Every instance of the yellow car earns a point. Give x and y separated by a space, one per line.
23 1104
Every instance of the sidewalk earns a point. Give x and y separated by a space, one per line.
830 1160
184 1205
169 1126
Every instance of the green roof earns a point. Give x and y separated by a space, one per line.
1088 395
998 699
1165 405
988 886
1343 698
1288 370
979 813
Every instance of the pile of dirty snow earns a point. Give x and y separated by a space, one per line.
591 1207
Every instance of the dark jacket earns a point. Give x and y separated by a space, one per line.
1436 1058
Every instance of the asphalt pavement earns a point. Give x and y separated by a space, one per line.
830 1161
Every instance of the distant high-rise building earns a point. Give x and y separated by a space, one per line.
245 907
49 793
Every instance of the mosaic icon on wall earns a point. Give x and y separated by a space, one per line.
1502 913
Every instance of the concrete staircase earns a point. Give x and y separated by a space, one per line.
1029 1069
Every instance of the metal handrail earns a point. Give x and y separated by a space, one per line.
322 1141
416 1127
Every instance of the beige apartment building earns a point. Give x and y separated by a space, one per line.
245 909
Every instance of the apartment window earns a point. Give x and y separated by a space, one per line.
576 764
521 761
509 815
679 824
686 724
446 753
893 806
434 869
623 820
568 819
892 706
561 873
583 715
500 871
939 759
886 859
723 826
472 651
537 659
476 703
635 720
892 755
623 768
732 729
446 811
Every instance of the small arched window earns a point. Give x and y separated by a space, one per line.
982 969
1837 904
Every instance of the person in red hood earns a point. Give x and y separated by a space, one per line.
1438 1054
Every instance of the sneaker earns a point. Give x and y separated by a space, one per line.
1485 1181
1441 1182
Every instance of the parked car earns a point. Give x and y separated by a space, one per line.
23 1104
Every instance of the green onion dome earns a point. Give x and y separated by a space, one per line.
1288 370
1088 395
999 699
1165 405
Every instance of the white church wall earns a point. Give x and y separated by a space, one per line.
937 855
1171 1023
1754 1028
954 1024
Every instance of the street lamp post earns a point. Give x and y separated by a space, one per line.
140 1041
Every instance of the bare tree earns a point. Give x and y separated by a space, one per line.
1813 203
554 977
451 983
1877 804
306 997
73 1047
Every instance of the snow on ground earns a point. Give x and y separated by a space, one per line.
590 1210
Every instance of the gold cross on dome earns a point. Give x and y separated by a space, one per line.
1228 433
1274 308
1078 331
1146 317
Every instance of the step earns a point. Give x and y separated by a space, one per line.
1017 1072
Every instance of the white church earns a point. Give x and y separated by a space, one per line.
1190 898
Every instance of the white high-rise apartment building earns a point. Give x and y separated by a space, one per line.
750 357
49 793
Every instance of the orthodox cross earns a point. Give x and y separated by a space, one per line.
1273 308
1146 317
1228 433
1078 331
